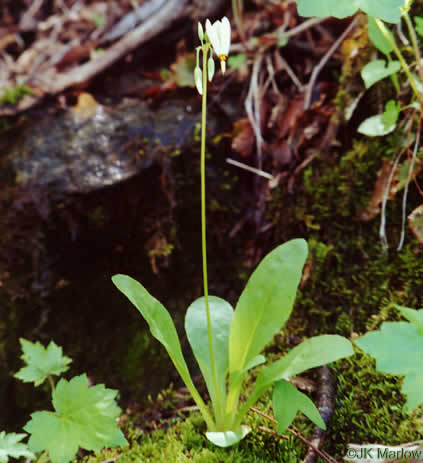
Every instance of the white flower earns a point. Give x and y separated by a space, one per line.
220 37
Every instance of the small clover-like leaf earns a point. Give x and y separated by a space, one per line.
85 417
419 25
377 70
41 362
11 446
374 126
391 113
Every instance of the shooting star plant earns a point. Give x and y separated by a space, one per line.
236 338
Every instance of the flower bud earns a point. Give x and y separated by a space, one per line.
198 78
200 32
210 68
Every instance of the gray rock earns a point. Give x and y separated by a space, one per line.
79 151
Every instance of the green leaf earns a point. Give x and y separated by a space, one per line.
221 313
227 438
374 127
388 10
266 303
391 113
398 350
237 61
287 401
325 8
375 71
41 362
163 329
312 353
377 37
413 316
419 25
85 417
10 446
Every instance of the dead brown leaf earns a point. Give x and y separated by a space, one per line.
243 141
373 208
415 222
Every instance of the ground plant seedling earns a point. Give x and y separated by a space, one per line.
398 350
84 416
227 344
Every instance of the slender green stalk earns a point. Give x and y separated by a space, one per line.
413 38
219 418
394 77
50 380
399 56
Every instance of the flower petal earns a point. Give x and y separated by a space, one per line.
211 32
226 35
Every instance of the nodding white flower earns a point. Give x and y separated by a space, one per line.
220 37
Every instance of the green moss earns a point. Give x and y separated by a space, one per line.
352 283
14 95
182 439
369 408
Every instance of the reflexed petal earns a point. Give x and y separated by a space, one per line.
226 35
211 32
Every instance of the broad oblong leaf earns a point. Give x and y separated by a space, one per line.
41 362
287 401
221 313
227 438
158 319
377 70
312 353
266 302
85 417
387 10
163 329
398 350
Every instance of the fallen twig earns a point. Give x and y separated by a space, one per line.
324 60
